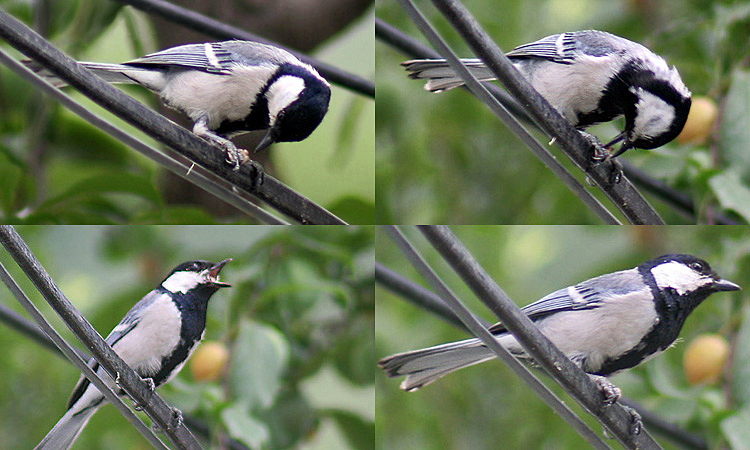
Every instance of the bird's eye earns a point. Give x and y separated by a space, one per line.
698 267
195 266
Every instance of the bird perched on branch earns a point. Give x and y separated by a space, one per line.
155 338
604 325
590 77
228 88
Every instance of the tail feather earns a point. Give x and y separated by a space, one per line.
112 73
440 76
67 429
424 366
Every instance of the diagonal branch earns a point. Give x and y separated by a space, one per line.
429 301
558 366
249 179
479 90
482 333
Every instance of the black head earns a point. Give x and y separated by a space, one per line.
657 107
687 276
297 102
192 275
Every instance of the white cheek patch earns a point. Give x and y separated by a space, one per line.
283 92
182 281
653 116
679 277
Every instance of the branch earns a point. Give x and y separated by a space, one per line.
213 27
479 90
571 377
131 381
481 332
623 194
249 179
29 329
430 302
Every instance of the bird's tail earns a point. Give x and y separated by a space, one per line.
112 73
424 366
440 76
67 429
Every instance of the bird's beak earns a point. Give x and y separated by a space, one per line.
266 141
726 285
623 148
213 273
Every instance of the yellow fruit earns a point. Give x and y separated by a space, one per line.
209 360
703 113
705 358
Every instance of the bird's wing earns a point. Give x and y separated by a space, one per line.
564 48
217 57
208 57
585 295
127 323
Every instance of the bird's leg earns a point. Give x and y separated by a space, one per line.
177 419
235 156
636 423
151 388
610 392
600 154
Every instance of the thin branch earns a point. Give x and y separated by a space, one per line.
481 332
544 353
77 360
418 295
430 302
623 194
177 164
480 91
156 408
220 30
30 330
250 179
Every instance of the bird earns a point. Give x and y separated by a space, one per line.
155 338
228 88
605 325
590 77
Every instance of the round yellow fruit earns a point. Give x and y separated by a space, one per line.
705 358
209 360
703 113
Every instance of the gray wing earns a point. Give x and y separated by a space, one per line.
132 318
585 295
216 57
564 48
127 323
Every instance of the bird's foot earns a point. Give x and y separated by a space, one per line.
610 392
636 423
176 420
151 388
235 156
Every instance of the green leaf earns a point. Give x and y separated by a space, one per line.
740 376
355 209
96 185
736 431
734 131
731 192
243 427
355 354
259 359
359 432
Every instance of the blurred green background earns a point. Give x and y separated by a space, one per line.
487 407
56 168
445 158
298 322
